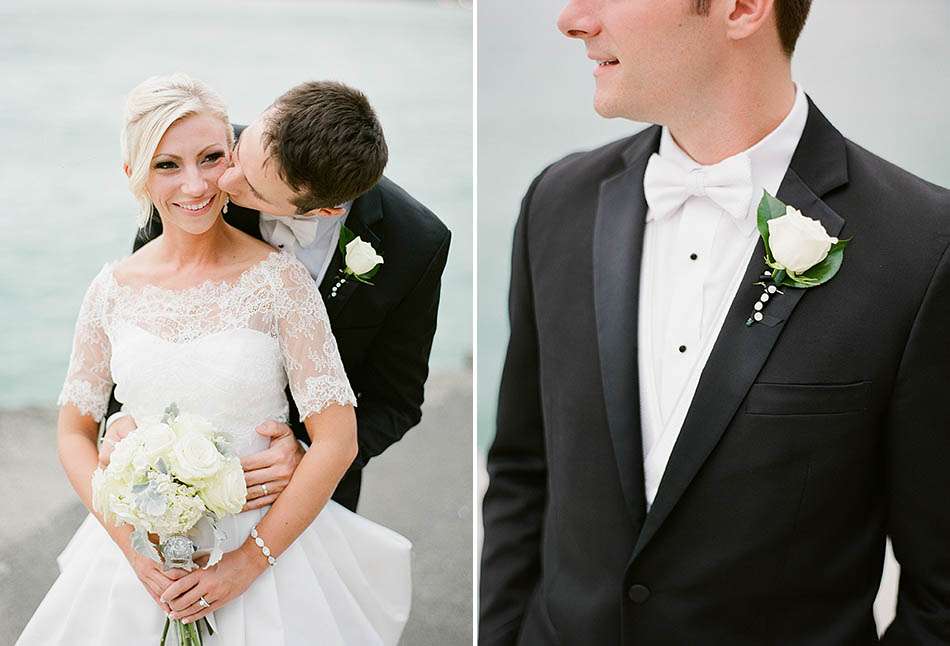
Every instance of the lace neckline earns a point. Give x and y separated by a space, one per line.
204 286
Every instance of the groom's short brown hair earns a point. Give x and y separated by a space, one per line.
327 143
790 17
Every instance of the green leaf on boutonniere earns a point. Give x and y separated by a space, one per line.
826 269
372 272
346 236
362 278
769 207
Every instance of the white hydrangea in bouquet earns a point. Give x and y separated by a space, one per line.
173 478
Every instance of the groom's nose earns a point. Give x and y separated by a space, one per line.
577 20
227 181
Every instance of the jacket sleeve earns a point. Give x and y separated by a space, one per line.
392 381
514 504
918 473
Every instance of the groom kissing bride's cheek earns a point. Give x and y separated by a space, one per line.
749 396
304 176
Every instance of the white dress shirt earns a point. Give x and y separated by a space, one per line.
693 262
317 255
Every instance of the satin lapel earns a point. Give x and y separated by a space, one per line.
740 352
618 244
365 211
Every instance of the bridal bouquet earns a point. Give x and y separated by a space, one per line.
172 478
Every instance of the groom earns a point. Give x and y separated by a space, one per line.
662 472
311 163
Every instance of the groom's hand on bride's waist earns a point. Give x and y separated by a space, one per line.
268 472
116 429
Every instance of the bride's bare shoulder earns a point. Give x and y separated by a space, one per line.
148 265
249 250
137 266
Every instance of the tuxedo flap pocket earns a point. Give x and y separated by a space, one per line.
807 399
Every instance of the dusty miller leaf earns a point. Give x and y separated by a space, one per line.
143 546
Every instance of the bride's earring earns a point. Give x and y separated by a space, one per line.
224 209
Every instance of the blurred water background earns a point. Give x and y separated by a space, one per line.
876 68
65 210
66 68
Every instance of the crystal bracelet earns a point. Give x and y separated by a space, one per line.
260 543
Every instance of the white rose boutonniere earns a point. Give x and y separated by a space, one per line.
360 260
798 250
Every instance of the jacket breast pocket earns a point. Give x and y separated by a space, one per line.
807 399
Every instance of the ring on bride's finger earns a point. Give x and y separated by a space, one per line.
203 602
264 488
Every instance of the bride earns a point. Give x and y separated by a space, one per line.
219 323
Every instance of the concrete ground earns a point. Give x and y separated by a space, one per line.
421 487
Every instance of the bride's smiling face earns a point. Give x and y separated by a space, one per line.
184 171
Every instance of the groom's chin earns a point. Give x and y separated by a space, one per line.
236 199
608 99
602 108
606 106
610 106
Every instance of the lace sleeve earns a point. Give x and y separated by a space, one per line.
89 379
311 358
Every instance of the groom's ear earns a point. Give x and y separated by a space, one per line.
126 170
746 17
325 212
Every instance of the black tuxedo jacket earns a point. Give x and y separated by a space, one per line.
384 331
811 436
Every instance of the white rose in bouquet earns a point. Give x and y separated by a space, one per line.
121 459
186 422
102 489
155 441
227 493
195 457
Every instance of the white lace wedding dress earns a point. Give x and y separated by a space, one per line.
225 352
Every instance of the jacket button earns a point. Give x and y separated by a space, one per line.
638 593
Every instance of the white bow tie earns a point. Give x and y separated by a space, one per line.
288 229
667 185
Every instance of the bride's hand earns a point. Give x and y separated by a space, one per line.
219 584
154 578
117 431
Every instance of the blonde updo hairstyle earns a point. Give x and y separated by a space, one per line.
150 110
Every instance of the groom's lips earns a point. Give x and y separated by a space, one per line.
604 64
